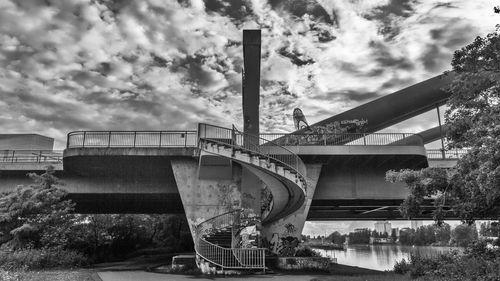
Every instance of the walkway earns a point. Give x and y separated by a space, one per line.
149 276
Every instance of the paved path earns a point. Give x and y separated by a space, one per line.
149 276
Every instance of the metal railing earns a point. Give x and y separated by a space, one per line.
226 258
132 139
345 139
446 154
31 156
253 144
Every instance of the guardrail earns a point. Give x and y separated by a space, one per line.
446 154
254 144
132 139
230 258
31 156
345 139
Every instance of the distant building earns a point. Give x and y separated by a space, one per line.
25 142
416 224
360 229
388 240
383 227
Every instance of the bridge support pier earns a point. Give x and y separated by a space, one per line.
283 236
205 198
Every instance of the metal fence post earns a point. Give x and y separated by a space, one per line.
84 135
160 140
135 137
364 138
109 139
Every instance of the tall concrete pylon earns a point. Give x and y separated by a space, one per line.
251 81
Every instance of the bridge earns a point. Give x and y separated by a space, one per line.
229 182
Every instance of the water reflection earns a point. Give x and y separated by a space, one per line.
380 257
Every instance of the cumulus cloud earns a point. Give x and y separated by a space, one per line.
81 64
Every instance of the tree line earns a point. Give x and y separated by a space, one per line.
38 219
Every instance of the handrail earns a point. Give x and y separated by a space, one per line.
81 139
349 139
226 257
31 156
451 154
253 144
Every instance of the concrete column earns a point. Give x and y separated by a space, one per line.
251 187
251 82
205 198
283 236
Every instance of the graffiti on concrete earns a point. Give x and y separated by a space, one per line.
327 134
290 228
248 196
283 246
229 196
266 201
289 246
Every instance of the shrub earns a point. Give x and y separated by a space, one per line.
306 252
41 258
402 267
478 262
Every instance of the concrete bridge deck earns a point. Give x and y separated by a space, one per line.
102 175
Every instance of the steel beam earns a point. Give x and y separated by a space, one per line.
399 106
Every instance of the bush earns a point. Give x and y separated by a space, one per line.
402 267
29 259
478 262
306 252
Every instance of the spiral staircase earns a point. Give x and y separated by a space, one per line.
218 239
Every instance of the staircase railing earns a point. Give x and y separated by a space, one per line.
255 145
226 258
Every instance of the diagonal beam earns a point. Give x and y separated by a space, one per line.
374 210
399 106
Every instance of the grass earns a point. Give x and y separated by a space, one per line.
47 275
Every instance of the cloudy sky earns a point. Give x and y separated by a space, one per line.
136 65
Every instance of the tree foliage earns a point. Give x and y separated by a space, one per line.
36 214
426 235
472 189
336 238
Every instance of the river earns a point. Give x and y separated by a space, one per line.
380 257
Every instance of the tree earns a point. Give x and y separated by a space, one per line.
471 190
394 235
464 234
336 238
407 236
443 234
36 215
361 236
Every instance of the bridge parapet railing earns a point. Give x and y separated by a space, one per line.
451 154
360 139
80 139
31 156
